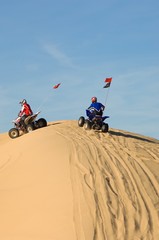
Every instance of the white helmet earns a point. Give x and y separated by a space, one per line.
23 101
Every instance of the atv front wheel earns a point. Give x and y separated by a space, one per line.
87 125
13 133
105 127
81 121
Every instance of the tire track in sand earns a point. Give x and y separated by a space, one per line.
109 177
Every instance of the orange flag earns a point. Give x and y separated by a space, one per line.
56 86
108 80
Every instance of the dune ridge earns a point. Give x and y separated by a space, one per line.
63 182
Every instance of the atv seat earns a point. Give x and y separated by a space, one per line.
93 116
96 118
27 119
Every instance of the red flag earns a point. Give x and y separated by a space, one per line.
108 80
56 86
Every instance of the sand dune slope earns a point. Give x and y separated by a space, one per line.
65 183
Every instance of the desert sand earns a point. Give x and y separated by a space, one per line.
62 182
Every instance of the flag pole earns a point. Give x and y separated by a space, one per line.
43 102
106 98
46 99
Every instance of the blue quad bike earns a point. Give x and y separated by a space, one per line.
95 122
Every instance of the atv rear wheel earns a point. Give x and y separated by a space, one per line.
30 127
13 133
105 127
42 123
81 121
87 125
96 127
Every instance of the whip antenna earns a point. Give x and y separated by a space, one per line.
47 97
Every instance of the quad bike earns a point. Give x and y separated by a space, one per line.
29 125
93 121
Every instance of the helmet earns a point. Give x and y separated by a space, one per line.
23 101
94 99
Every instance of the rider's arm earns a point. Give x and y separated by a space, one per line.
21 111
103 107
20 114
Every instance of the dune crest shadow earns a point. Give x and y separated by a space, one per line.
55 123
112 132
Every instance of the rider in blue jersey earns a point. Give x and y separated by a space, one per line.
96 107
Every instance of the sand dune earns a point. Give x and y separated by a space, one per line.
65 183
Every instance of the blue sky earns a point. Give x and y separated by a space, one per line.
79 43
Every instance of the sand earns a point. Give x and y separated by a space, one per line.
62 182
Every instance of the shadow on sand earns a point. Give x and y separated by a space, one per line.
133 136
55 123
